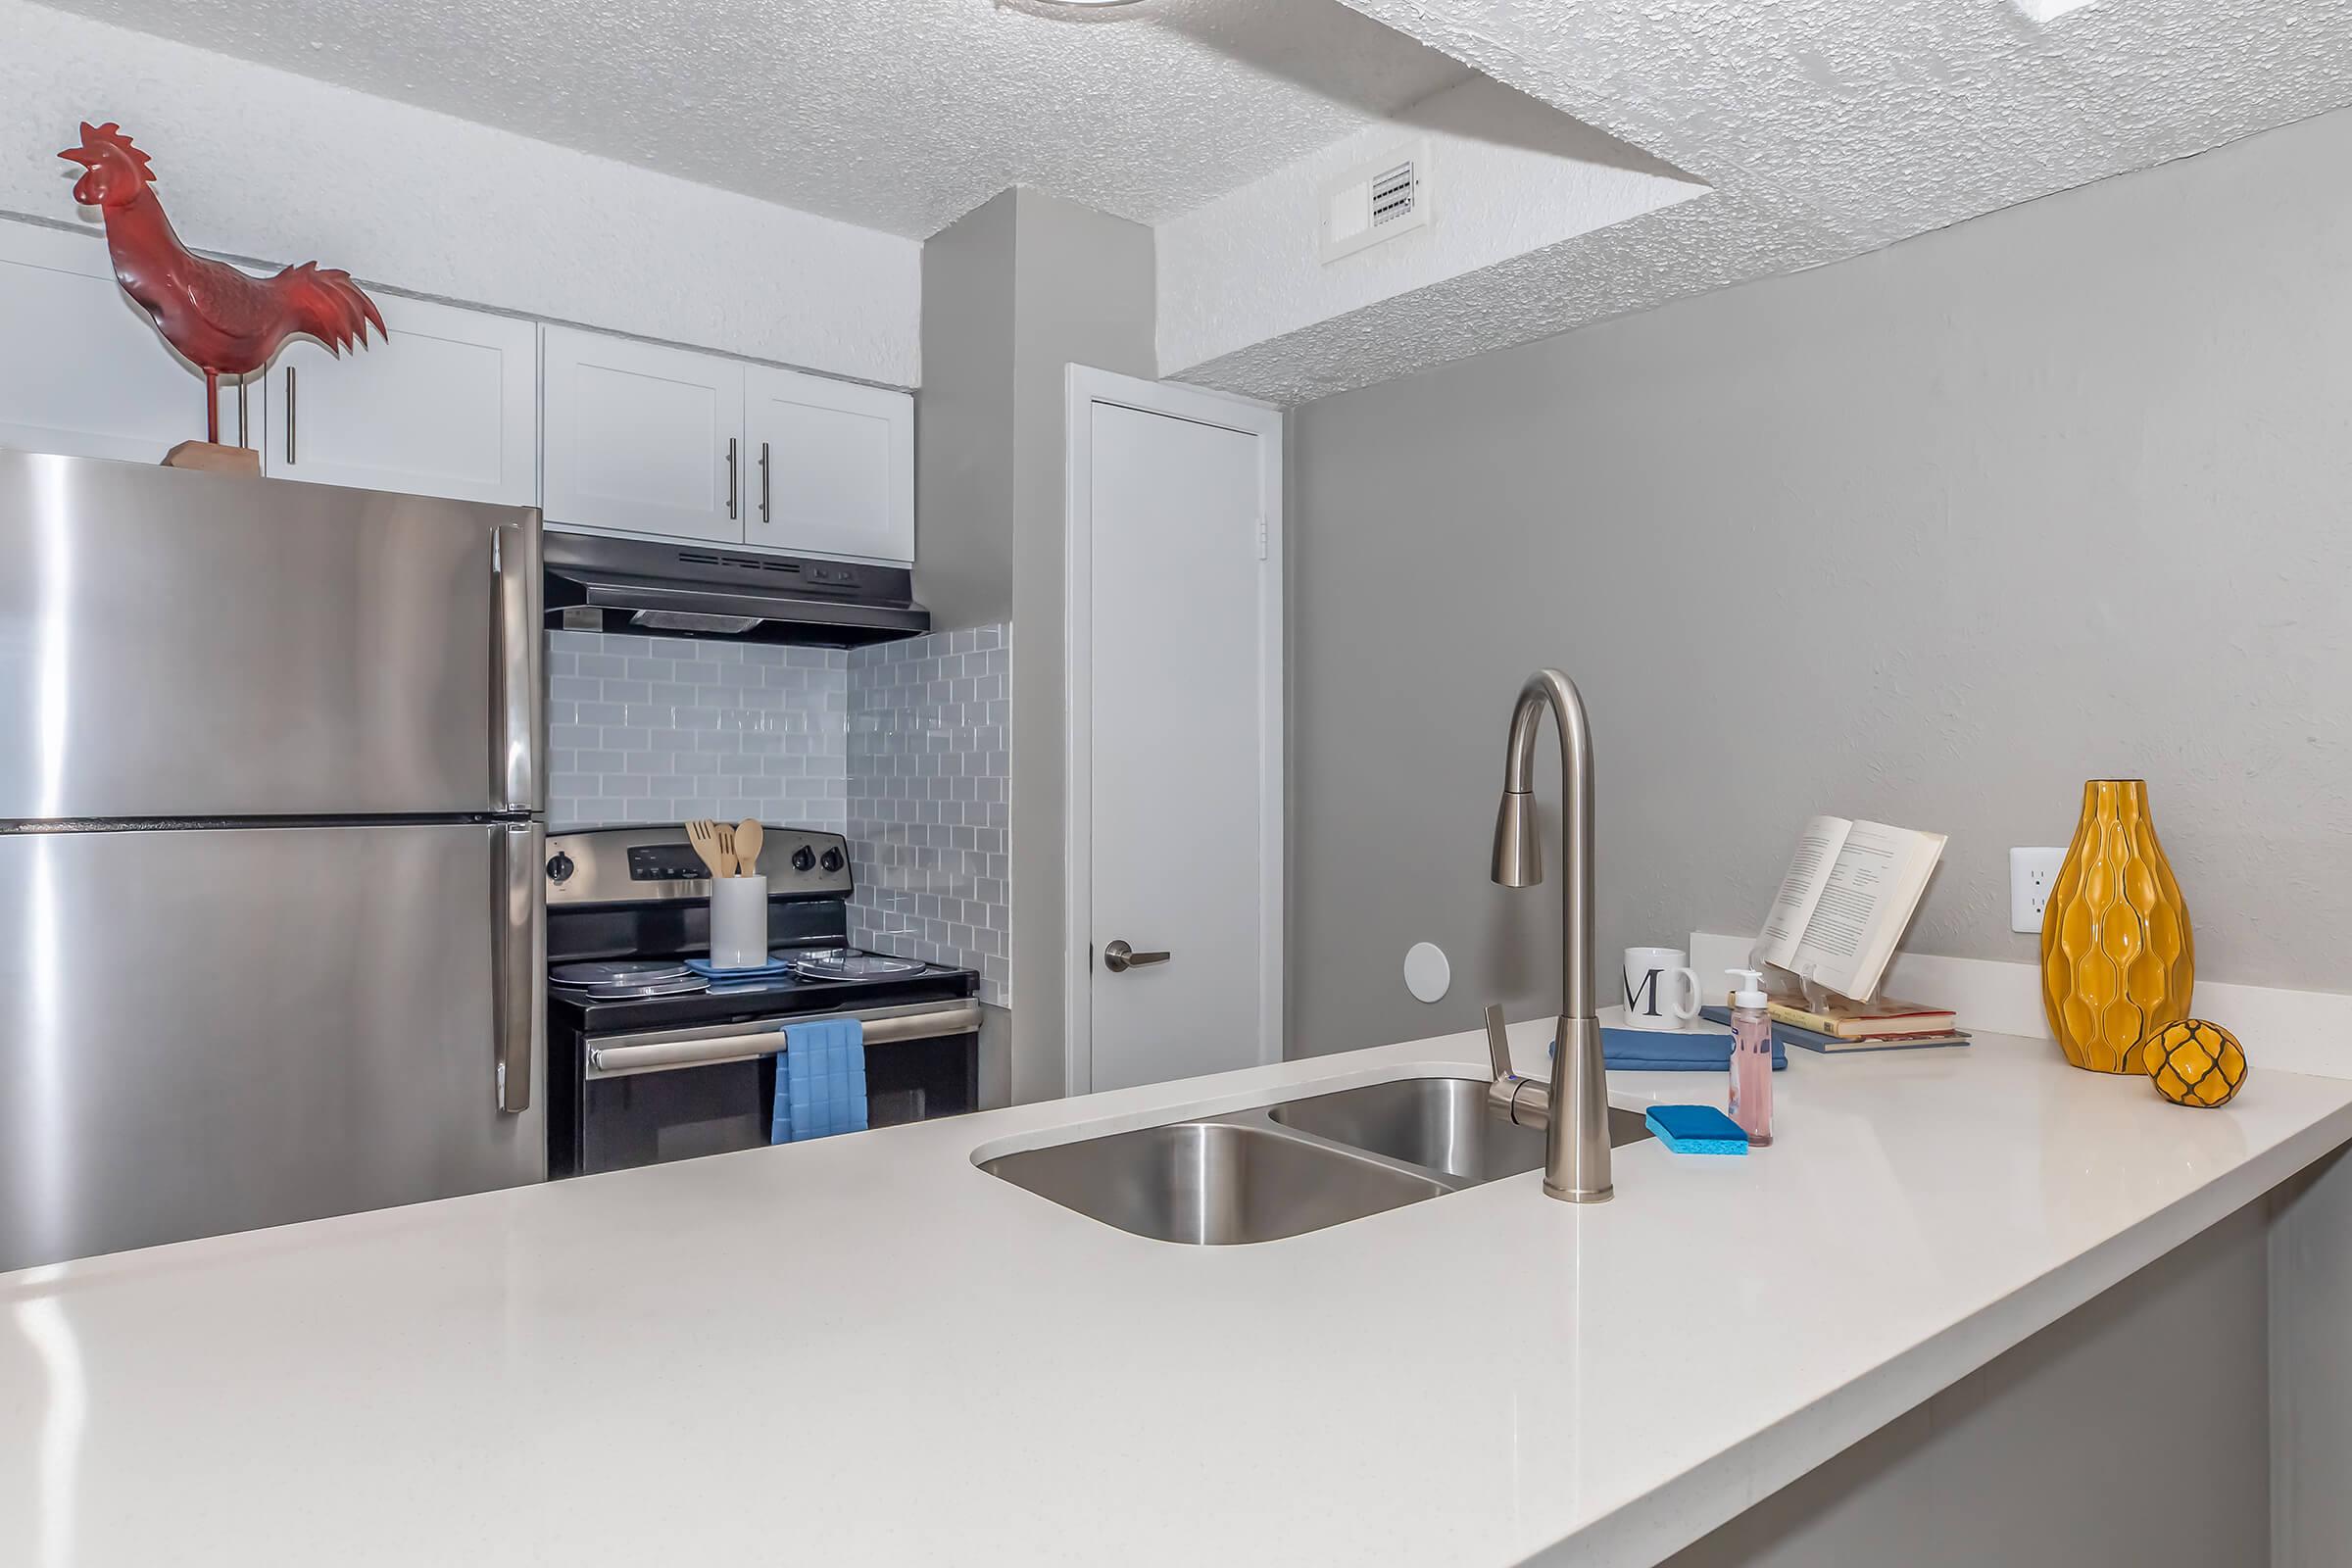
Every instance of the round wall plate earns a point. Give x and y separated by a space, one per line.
1427 973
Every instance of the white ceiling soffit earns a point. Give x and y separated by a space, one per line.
1824 128
897 115
1506 176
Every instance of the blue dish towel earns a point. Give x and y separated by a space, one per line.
821 1081
1656 1051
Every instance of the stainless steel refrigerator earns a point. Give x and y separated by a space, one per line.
271 936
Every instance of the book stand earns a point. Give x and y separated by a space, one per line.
1819 997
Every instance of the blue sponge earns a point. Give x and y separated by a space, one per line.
1696 1130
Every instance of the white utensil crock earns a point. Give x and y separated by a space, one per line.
738 922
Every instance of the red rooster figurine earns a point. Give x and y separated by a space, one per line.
228 323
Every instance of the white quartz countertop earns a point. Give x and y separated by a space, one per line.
867 1351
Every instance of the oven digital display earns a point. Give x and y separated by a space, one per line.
664 862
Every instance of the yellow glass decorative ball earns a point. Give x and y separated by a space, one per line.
2194 1063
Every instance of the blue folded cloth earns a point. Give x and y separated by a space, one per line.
821 1081
1657 1051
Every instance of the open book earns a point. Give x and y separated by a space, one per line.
1843 906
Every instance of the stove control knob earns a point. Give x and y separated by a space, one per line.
802 857
831 862
560 867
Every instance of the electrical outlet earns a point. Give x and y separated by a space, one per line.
2031 875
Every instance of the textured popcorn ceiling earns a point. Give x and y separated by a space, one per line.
1825 128
1820 127
899 114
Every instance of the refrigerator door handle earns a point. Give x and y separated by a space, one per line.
518 976
517 712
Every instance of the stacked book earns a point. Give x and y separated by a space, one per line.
1842 908
1841 1025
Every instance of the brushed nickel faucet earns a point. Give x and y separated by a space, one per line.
1574 1111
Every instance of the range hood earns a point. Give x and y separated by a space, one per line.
598 583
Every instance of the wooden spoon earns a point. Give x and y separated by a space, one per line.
749 835
727 850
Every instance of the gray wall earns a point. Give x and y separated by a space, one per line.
963 428
2132 1430
2311 1367
2058 493
1084 293
1060 284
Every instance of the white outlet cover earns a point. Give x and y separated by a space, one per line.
2031 875
1427 973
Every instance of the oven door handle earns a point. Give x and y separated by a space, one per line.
622 1055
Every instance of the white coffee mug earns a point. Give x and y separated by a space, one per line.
1651 977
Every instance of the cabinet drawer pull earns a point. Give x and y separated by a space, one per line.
732 487
766 494
289 416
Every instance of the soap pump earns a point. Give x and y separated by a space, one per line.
1751 1058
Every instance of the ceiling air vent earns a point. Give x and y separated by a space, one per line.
1392 195
1376 200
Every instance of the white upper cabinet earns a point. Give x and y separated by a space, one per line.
832 466
445 404
603 434
641 438
87 374
645 439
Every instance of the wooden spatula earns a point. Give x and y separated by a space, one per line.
703 834
748 836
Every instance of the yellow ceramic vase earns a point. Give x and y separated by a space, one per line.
2117 958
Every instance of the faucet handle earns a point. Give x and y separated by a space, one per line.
1498 1046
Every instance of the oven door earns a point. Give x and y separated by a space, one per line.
676 1094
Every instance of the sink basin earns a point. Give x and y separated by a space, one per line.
1286 1169
1442 1124
1213 1183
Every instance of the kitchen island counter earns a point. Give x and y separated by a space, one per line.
866 1349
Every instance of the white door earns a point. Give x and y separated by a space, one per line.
87 374
831 466
445 404
1176 631
641 438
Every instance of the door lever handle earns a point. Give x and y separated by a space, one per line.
1119 957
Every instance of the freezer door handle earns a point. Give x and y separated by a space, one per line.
517 713
519 971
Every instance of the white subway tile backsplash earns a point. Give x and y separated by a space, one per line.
928 790
900 747
660 729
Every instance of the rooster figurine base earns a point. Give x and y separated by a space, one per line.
211 457
224 321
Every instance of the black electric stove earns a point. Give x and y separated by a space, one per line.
648 1060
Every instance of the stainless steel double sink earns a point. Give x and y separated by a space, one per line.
1300 1165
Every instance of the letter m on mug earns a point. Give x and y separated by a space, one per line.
1651 975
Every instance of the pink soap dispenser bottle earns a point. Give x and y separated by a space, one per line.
1751 1058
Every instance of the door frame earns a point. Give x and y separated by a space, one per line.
1084 387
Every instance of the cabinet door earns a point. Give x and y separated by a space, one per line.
88 376
831 466
445 404
642 438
